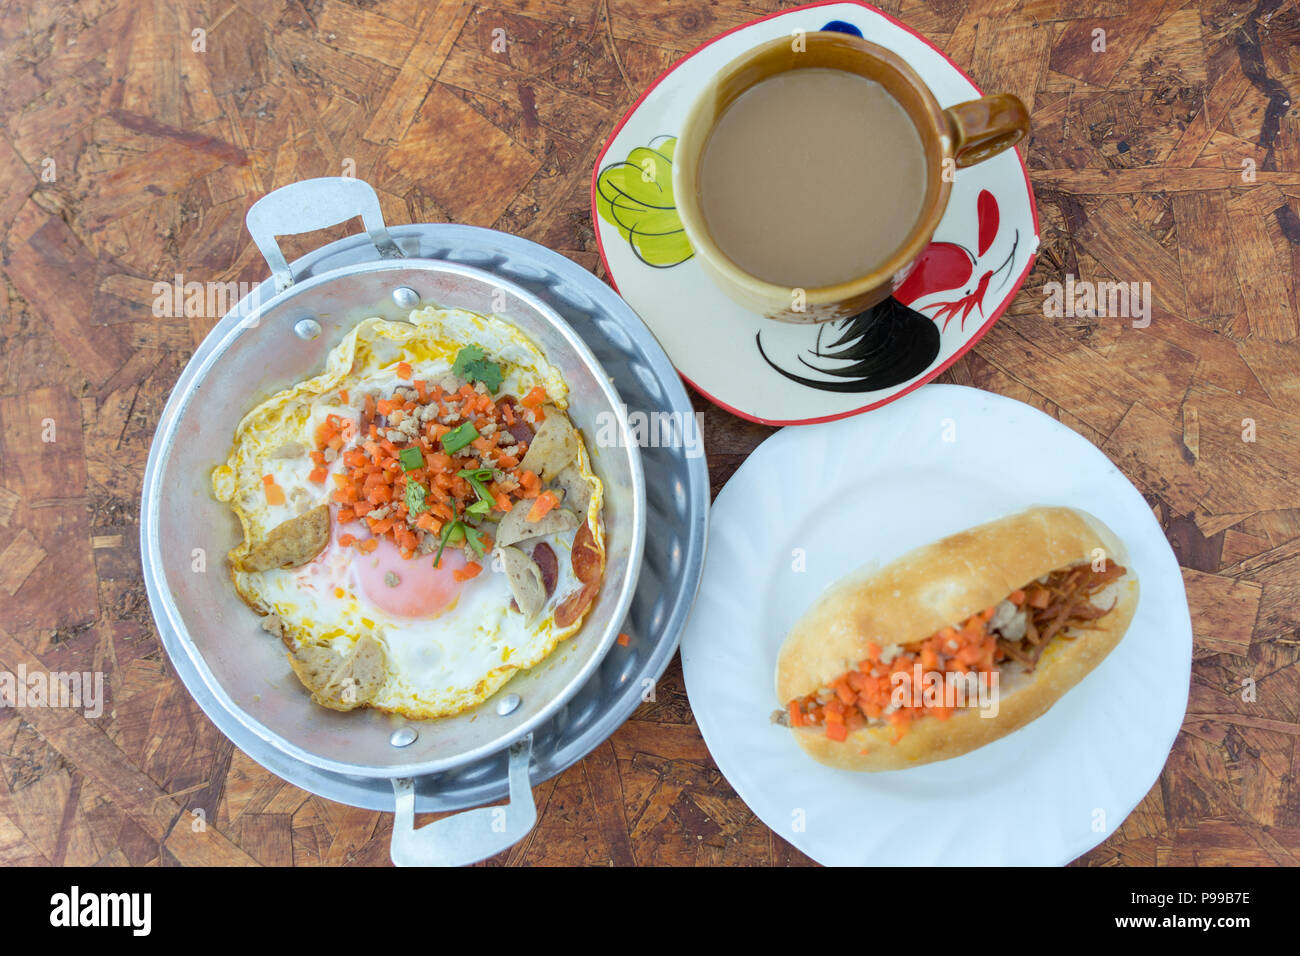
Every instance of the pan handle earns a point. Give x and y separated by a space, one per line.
310 205
473 835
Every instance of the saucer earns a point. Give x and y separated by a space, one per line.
786 374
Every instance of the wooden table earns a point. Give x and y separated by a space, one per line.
135 135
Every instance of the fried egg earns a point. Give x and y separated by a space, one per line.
449 642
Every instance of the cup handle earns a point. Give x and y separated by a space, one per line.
985 127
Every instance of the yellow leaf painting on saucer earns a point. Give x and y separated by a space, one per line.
636 197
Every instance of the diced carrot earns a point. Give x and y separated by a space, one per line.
343 396
369 545
347 540
403 370
624 640
836 731
534 398
383 406
508 413
274 493
470 570
318 475
544 503
421 389
841 687
796 715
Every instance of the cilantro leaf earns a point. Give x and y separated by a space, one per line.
472 364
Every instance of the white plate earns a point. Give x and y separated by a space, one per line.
837 496
982 251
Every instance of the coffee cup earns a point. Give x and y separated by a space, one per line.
879 159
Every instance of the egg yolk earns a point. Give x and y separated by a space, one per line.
408 587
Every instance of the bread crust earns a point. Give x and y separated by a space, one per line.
938 585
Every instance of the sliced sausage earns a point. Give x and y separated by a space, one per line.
291 543
526 583
520 431
516 527
588 561
577 490
342 681
553 447
546 561
576 604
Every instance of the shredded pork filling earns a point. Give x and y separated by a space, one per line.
1062 602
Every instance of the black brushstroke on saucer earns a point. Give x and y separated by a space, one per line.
840 26
887 344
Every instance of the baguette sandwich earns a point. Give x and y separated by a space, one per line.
955 644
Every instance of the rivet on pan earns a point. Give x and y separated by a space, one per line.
507 704
306 329
403 737
405 297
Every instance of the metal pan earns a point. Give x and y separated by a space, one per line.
280 335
